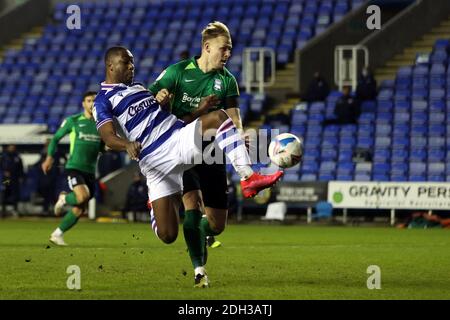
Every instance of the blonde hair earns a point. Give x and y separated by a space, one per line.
213 30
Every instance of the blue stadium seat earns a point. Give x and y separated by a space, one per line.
385 106
345 168
385 94
418 130
382 155
363 168
347 130
382 142
347 142
381 168
365 142
362 176
311 156
436 142
402 95
418 154
344 177
327 176
417 177
436 119
380 177
345 156
436 155
387 84
436 169
398 177
308 177
368 106
383 129
329 154
442 44
309 167
437 106
327 166
417 168
435 178
291 177
400 168
366 118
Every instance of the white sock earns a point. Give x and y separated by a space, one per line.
199 270
229 141
153 223
58 232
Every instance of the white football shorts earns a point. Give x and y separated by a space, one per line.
165 166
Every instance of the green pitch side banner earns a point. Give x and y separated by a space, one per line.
389 195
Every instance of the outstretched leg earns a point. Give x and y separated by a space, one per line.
231 143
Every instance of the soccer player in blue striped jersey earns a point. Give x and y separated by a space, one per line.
165 146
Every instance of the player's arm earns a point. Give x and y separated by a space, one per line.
163 97
102 112
64 129
116 143
163 86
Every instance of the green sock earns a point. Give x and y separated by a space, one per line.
71 199
206 229
69 220
192 235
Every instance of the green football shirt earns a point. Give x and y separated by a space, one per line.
190 84
85 143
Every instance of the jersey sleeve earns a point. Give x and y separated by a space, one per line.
65 128
166 80
233 88
102 111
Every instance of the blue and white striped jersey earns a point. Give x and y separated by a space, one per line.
138 114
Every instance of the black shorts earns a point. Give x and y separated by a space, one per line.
211 180
77 178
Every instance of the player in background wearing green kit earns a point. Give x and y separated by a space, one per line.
179 89
85 145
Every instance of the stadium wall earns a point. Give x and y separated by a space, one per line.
409 25
21 18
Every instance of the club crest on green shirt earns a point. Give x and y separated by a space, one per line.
217 84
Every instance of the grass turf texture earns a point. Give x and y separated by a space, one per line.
126 261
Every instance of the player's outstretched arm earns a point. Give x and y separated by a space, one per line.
47 165
64 129
116 143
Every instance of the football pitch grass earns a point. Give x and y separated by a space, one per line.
126 261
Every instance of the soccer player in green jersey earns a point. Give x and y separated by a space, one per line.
85 145
180 88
